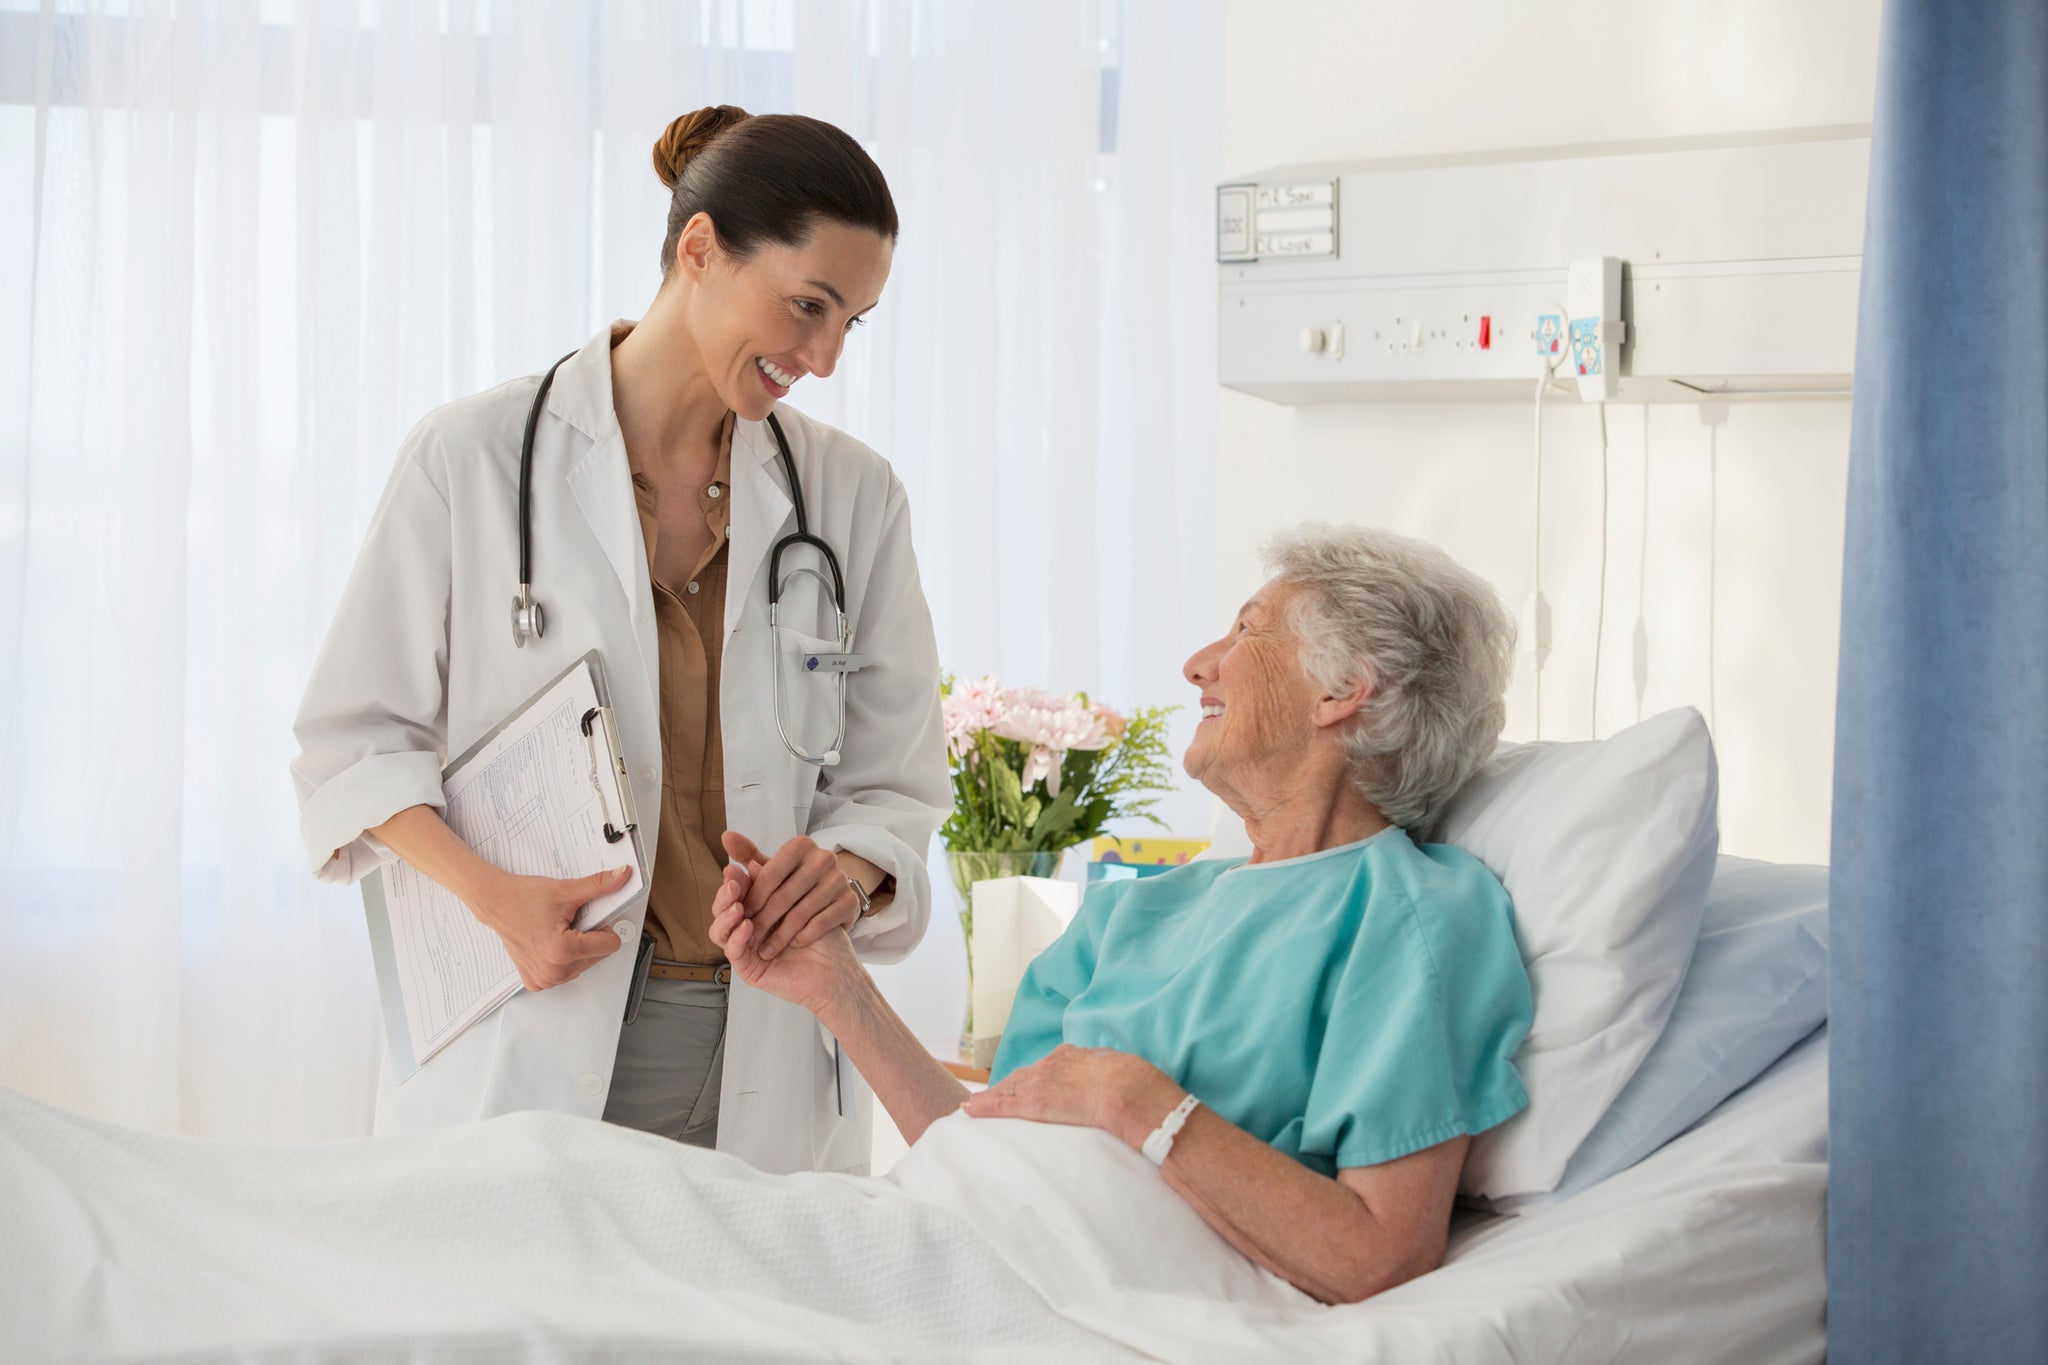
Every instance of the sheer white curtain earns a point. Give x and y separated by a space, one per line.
243 246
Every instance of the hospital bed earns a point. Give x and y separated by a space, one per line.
541 1236
538 1236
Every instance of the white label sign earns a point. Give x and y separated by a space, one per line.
1298 244
1297 196
1319 219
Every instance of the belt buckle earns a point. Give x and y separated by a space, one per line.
723 976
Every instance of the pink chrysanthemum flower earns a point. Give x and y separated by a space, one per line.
970 708
1050 724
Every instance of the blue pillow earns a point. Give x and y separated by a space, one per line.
1757 985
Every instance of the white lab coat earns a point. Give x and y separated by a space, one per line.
420 661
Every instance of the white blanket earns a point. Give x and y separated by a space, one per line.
538 1236
1713 1249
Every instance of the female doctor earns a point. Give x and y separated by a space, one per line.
660 500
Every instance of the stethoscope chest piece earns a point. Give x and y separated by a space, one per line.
529 622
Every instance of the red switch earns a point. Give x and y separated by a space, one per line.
1486 332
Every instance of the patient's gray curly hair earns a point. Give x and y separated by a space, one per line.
1429 637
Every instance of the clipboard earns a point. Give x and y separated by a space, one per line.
524 797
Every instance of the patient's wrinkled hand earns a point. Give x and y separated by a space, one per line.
1087 1087
808 974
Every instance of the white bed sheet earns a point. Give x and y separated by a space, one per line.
538 1236
1713 1248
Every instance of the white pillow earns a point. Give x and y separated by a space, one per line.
1607 849
1758 984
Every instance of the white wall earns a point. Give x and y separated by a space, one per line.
1732 553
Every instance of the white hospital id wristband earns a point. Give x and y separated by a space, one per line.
1160 1143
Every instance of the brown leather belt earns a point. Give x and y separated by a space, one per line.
721 972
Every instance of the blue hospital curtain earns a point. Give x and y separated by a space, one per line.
1938 1149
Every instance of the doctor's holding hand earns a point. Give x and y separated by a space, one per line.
648 497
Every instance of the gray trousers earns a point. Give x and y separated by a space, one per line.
671 1060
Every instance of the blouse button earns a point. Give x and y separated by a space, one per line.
693 589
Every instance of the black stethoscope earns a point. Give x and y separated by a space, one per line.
529 622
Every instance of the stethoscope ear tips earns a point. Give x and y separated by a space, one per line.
831 759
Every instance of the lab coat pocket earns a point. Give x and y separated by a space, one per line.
807 703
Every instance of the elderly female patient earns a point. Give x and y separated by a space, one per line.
1343 1004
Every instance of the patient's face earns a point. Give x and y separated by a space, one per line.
1256 702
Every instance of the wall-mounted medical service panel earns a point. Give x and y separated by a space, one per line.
1447 279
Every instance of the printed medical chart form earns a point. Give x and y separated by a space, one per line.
534 797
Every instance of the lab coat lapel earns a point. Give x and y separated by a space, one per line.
601 479
759 509
603 484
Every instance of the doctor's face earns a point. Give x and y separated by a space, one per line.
765 323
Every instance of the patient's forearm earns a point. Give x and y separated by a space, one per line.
1311 1230
906 1078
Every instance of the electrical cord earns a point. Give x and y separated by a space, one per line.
1639 645
1600 609
1713 576
1539 613
1536 565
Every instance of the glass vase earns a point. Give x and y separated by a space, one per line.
968 868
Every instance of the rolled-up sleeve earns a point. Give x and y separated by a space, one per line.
372 725
889 792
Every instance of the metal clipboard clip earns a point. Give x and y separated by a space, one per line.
629 815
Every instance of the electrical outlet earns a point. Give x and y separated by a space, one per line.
1593 299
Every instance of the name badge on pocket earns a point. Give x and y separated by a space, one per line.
832 663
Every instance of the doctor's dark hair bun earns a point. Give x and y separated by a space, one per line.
689 135
766 178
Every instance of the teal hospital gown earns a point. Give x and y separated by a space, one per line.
1348 1007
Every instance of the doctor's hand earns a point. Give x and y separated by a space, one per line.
536 919
795 897
808 973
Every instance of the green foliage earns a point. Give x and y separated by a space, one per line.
994 813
